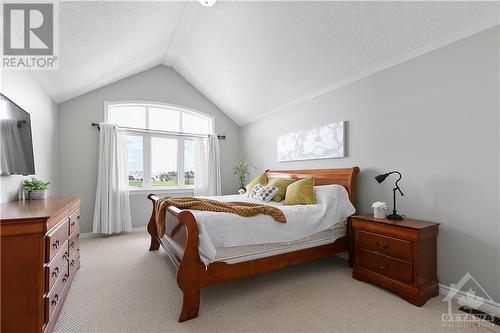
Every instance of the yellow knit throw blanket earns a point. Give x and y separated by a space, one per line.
245 209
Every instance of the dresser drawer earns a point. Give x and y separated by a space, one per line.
56 239
55 295
74 221
57 266
390 267
394 247
74 264
74 243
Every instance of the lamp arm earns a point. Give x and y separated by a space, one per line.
397 186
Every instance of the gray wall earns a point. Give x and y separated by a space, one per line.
435 119
78 144
24 89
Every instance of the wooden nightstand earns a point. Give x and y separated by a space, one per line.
399 255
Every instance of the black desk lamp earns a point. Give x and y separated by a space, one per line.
380 179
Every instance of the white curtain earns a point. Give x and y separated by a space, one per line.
207 179
112 206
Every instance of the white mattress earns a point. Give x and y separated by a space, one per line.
236 254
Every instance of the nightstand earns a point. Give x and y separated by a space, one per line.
398 255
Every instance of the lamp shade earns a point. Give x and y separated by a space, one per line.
381 178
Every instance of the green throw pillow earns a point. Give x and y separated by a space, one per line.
281 184
301 192
262 179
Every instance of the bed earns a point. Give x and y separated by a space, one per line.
203 259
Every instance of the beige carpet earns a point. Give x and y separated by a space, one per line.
121 287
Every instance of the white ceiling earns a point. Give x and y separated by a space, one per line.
252 58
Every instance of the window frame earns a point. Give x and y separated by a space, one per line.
147 135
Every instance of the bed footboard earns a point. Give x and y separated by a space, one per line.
181 245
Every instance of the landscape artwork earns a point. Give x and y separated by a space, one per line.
320 142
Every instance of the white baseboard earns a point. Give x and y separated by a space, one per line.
489 306
93 235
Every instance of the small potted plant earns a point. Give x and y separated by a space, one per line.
35 189
242 171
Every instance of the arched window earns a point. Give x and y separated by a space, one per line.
161 142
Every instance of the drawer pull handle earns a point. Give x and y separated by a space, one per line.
78 217
382 266
382 247
78 235
65 278
55 245
65 256
55 272
72 263
73 224
54 300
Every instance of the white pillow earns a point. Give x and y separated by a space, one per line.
263 193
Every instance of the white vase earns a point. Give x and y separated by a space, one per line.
35 194
379 213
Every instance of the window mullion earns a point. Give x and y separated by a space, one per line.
180 161
147 160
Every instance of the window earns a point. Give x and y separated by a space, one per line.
161 142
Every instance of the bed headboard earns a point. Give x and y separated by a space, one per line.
343 176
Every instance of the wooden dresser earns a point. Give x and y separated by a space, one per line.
399 255
40 256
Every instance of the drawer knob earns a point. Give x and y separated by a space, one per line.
65 278
382 247
54 300
55 272
72 244
382 265
55 245
73 224
78 217
65 256
72 263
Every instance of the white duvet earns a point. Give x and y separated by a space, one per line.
226 229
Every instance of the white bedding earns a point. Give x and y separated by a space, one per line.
217 230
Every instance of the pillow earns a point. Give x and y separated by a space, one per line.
281 184
262 179
263 193
301 192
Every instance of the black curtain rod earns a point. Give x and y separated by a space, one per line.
220 137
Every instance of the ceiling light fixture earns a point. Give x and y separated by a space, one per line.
207 3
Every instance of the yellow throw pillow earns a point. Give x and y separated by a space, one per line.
281 184
301 192
262 179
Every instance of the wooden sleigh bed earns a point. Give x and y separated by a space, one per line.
181 244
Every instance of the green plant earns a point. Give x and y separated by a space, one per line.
34 184
243 170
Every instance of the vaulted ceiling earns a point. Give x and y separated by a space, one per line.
252 58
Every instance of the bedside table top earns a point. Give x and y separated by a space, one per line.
405 223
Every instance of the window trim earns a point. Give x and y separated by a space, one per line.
147 135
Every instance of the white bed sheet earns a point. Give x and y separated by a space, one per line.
236 254
218 230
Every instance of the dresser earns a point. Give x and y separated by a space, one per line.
40 256
398 255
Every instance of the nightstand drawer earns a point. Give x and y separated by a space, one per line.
394 247
390 267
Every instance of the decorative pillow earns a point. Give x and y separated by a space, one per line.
301 192
281 184
262 179
263 193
